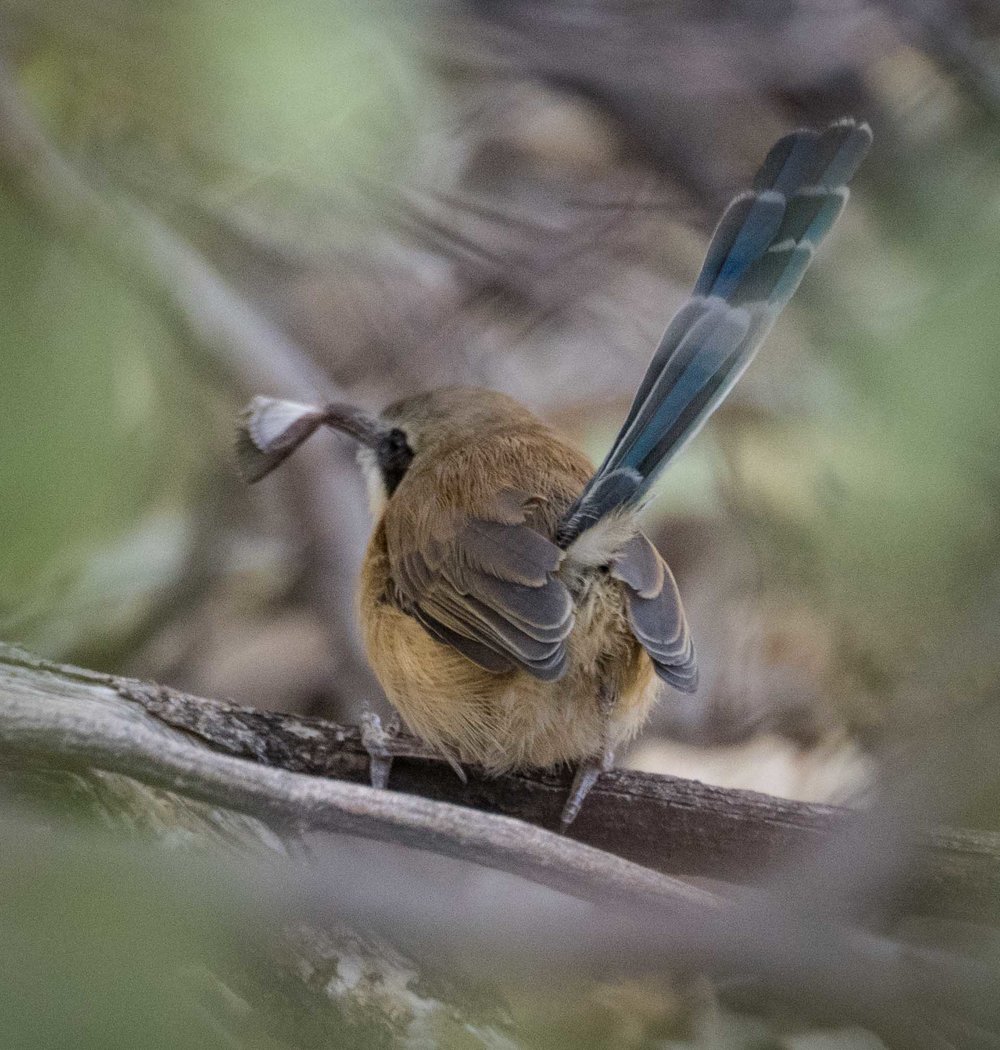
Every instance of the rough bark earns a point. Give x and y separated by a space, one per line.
634 824
378 865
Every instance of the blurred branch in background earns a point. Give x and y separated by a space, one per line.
219 329
944 29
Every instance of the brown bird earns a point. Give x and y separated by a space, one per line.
512 608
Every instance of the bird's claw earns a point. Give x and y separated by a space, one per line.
374 738
456 767
586 777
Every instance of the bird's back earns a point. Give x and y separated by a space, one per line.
470 465
514 477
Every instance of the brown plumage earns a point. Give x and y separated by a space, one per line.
493 643
512 609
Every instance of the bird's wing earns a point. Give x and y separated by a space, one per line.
655 612
483 583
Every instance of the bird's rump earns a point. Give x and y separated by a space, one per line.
488 586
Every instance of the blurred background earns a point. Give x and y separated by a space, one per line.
200 202
203 201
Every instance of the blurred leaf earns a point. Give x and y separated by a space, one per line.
281 117
98 952
85 443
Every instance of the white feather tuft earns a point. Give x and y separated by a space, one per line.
269 420
597 545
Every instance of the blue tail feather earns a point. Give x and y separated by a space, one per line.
758 254
741 239
786 163
702 352
810 214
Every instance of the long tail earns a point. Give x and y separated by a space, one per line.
758 254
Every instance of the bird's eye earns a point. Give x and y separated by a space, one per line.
394 456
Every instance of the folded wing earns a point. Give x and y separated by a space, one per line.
655 612
485 585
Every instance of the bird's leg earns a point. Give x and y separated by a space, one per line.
591 768
374 737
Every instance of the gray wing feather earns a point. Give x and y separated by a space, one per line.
487 587
655 612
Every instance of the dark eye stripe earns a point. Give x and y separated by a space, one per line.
394 458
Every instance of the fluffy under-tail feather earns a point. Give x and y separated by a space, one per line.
758 254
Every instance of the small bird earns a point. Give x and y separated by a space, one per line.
512 608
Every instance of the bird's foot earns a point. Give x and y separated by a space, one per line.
586 777
374 738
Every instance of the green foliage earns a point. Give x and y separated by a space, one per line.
281 117
276 119
99 953
86 440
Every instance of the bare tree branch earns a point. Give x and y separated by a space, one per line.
671 825
65 718
83 719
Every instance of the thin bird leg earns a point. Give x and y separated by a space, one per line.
374 737
591 768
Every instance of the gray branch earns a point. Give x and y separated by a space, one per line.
315 773
281 770
88 720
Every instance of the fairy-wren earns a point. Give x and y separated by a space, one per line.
512 608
